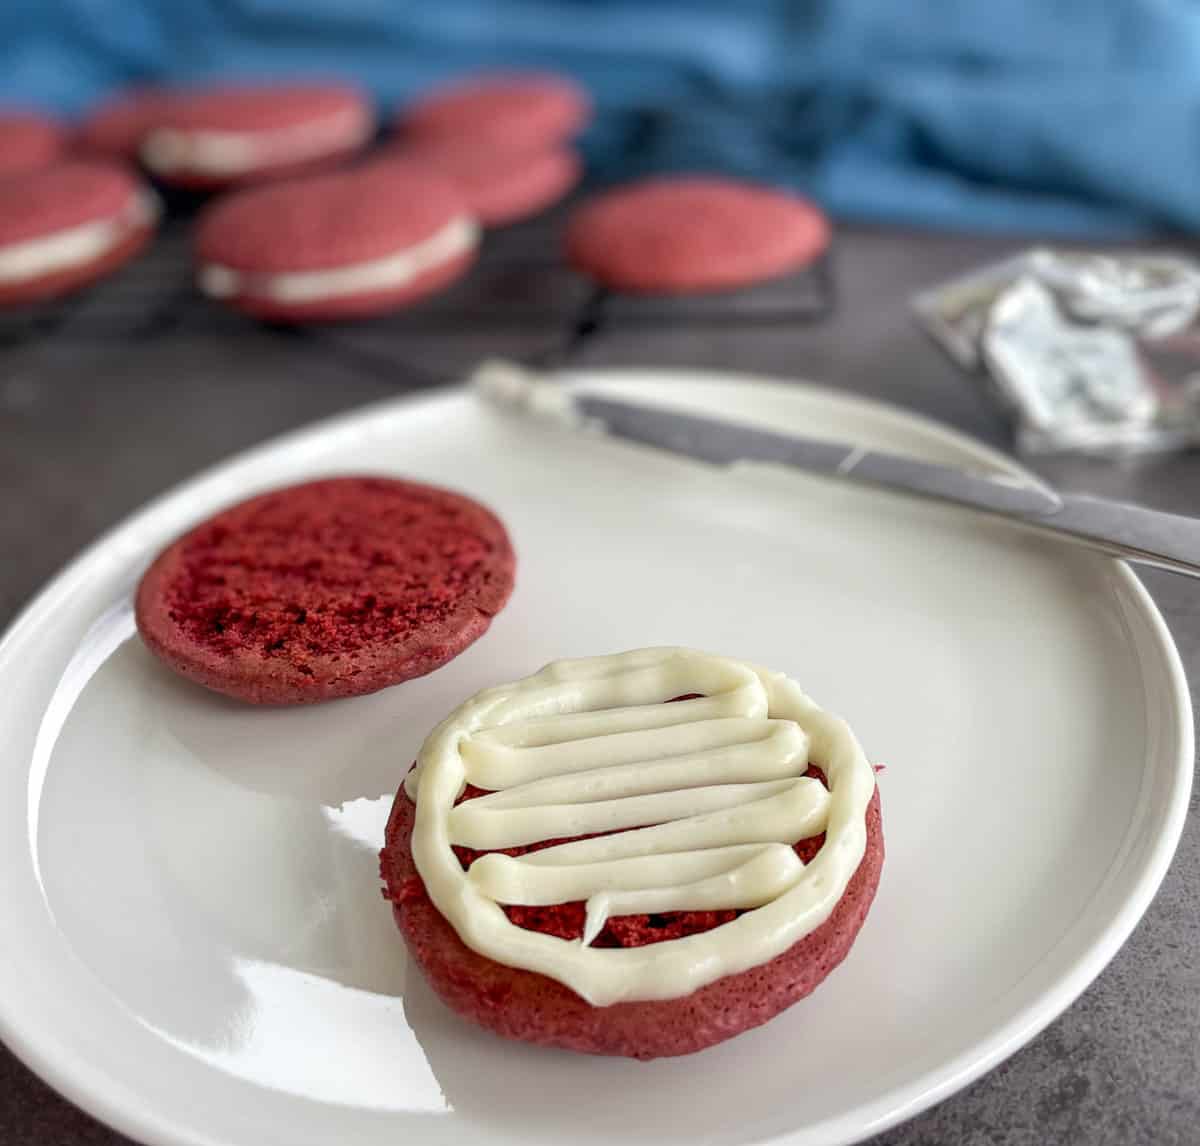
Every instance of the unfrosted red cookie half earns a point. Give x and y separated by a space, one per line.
687 234
333 588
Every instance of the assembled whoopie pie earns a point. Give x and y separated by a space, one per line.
344 244
217 136
67 225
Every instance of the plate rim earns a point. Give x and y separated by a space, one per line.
76 1078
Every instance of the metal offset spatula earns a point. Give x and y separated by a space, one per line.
1165 540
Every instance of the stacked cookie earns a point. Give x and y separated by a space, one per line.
406 222
64 222
505 141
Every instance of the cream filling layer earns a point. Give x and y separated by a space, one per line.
232 153
706 798
75 246
456 238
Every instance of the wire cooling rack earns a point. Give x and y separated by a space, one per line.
520 281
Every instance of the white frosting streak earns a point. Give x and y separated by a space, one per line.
704 800
227 154
395 270
75 246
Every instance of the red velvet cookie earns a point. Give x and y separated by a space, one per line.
500 186
693 234
215 137
333 588
590 865
67 225
517 111
339 245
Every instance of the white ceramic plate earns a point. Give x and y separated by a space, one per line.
194 944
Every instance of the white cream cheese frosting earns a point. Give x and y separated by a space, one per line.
228 154
75 246
703 799
456 238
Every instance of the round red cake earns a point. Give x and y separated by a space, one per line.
691 234
516 111
339 245
499 185
28 141
214 137
524 1005
67 225
333 588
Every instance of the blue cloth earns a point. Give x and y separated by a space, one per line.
1067 117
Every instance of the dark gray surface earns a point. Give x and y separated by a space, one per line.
90 431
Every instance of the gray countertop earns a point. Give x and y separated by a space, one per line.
92 427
